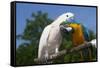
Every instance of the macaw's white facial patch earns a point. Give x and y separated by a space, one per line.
68 29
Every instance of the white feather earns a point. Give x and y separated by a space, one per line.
43 39
93 42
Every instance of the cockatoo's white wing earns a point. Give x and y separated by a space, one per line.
43 39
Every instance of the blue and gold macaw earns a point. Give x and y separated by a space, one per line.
79 32
79 35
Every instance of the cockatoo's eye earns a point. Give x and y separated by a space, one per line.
67 16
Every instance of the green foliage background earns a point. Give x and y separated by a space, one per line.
27 51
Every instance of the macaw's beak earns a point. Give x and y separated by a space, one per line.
66 29
63 28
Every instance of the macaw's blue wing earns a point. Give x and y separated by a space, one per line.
85 33
87 52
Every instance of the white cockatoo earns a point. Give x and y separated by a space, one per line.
51 38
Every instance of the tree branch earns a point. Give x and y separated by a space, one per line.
63 52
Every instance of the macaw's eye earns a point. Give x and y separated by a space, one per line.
66 15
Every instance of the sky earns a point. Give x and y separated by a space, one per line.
84 15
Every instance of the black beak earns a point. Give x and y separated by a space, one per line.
64 30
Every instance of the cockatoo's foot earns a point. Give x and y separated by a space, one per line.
46 55
51 56
56 50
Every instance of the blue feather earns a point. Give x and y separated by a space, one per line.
86 33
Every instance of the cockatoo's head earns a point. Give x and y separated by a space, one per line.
66 17
69 17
